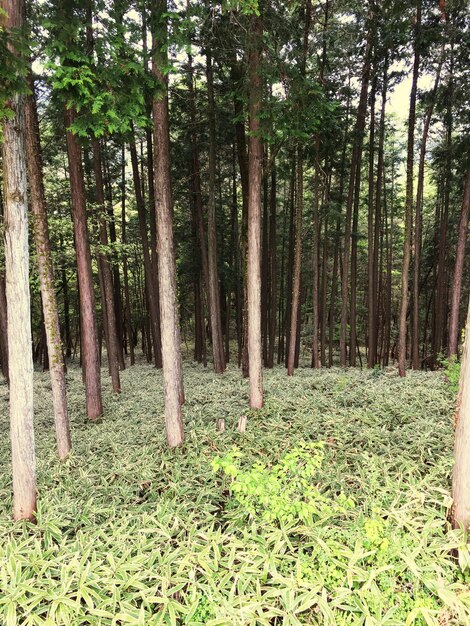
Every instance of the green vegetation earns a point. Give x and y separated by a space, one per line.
270 527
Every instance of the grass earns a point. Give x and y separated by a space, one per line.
129 532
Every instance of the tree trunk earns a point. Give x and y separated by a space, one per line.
214 295
460 514
355 165
3 329
371 308
408 202
127 306
17 293
272 267
46 276
152 296
418 222
90 356
255 156
458 271
296 271
170 331
112 341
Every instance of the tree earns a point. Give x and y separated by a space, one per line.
17 288
460 514
409 200
170 331
458 270
46 275
255 156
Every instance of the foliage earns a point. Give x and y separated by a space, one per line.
451 368
130 532
284 492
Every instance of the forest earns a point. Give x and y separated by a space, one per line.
234 312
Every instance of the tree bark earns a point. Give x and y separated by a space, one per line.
355 165
255 156
294 316
170 331
46 276
213 287
458 271
408 202
152 295
112 341
460 514
90 356
17 292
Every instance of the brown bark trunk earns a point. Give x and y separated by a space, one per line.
460 514
112 341
255 157
371 309
46 276
355 165
418 222
316 244
90 356
152 296
3 329
272 268
170 331
127 299
296 270
17 293
408 203
214 294
458 271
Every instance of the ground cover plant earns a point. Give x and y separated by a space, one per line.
331 509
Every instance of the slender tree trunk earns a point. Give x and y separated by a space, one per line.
408 202
272 267
378 232
242 156
371 308
125 271
296 271
418 222
316 244
3 329
355 165
112 341
460 514
152 296
354 237
458 271
171 342
46 276
17 292
255 156
90 356
214 295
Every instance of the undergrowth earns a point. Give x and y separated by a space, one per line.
331 509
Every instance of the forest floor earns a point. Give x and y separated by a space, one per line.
269 527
